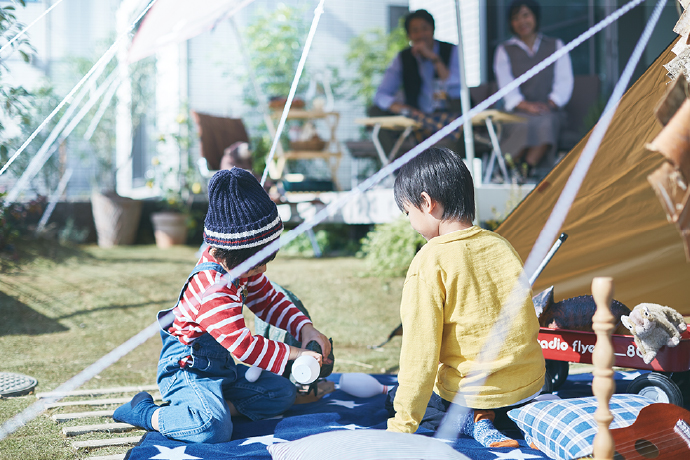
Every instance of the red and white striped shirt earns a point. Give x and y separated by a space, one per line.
219 312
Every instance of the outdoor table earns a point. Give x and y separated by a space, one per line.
490 118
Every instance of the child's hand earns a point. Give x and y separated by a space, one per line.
297 352
310 333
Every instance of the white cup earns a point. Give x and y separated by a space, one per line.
305 369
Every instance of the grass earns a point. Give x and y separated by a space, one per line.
65 307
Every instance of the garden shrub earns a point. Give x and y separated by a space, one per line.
332 240
17 219
70 233
389 248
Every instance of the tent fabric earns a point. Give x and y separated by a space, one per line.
217 134
174 21
616 226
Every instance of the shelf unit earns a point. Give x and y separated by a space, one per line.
331 153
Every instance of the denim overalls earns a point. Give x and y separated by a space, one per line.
197 392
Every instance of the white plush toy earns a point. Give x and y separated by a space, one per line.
654 326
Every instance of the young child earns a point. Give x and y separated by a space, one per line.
455 289
196 371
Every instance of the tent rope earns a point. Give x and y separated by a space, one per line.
9 43
44 152
293 88
102 108
450 430
87 374
49 147
104 59
430 141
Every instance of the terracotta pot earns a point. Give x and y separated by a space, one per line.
169 228
116 219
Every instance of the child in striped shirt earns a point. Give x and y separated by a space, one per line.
206 328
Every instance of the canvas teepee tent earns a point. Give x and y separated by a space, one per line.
616 225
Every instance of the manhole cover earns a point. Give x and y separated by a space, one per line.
12 384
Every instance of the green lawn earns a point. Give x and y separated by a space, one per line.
63 308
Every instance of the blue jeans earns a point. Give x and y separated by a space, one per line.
197 393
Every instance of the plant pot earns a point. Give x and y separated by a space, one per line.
169 228
116 219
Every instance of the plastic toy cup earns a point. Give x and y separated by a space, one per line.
305 369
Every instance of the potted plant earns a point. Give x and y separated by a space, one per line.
174 218
177 186
116 217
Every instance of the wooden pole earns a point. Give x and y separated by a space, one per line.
603 385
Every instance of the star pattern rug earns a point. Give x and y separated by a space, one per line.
337 411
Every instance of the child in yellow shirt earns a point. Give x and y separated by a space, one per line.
455 289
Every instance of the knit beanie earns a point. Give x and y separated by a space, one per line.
240 213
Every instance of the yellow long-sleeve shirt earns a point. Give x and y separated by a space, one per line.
453 294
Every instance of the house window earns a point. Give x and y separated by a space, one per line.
396 14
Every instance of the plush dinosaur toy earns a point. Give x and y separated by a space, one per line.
654 326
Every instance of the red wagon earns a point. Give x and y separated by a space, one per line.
668 382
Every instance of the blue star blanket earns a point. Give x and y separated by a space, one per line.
336 411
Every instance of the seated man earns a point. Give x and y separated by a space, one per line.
422 83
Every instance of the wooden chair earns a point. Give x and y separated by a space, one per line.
216 135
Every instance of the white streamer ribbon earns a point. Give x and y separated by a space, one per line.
288 103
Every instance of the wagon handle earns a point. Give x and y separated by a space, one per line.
548 258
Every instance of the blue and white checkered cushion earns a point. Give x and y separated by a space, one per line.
564 428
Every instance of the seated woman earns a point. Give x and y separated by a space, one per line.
541 99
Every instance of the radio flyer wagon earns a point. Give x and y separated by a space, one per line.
668 381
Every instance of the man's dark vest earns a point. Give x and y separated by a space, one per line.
412 81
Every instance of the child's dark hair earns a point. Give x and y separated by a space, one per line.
442 174
419 14
234 257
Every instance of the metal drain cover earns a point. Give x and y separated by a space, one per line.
12 384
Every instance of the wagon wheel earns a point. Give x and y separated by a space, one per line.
558 370
657 387
682 379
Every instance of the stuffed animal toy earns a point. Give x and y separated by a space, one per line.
654 326
574 313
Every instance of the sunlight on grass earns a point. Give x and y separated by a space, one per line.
70 306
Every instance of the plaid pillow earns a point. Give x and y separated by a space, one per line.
564 428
